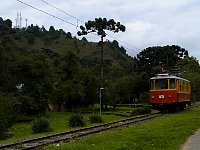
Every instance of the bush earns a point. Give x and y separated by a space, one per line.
141 111
96 119
41 125
8 111
76 120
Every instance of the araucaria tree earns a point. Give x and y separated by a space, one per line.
99 25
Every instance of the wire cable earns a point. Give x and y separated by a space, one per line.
93 33
46 13
75 25
62 11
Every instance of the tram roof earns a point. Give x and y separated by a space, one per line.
162 76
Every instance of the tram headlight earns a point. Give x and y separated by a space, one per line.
152 97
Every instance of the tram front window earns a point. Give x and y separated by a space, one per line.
161 84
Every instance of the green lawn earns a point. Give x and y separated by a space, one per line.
59 123
164 133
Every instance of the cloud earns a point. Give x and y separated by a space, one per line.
148 23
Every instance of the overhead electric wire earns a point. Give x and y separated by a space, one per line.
73 23
124 42
84 22
61 11
46 13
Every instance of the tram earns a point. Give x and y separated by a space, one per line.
167 92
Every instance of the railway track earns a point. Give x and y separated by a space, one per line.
69 135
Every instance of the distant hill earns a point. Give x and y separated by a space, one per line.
83 49
58 41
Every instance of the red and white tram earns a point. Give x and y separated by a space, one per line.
169 91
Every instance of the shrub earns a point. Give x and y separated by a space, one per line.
41 125
8 111
76 120
96 119
141 111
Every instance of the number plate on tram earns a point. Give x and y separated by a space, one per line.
161 96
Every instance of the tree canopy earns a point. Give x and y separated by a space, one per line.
160 56
99 25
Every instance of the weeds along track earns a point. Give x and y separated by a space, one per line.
69 135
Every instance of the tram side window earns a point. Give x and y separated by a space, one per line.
152 84
184 86
187 89
172 83
161 84
180 86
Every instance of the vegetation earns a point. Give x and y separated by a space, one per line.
96 119
164 133
59 122
76 120
141 111
99 25
40 125
8 112
41 67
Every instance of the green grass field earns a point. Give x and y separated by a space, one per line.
59 123
164 133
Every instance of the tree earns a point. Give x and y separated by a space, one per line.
99 25
1 23
8 111
62 32
84 39
68 66
7 66
54 34
6 26
165 56
58 96
114 45
68 35
72 94
34 73
194 78
52 29
190 70
116 71
90 84
122 49
120 90
189 64
31 39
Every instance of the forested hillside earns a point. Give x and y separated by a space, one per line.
41 66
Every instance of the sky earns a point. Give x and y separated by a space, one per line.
148 22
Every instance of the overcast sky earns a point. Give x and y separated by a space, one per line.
148 22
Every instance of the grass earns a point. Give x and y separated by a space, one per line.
165 133
23 130
58 121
